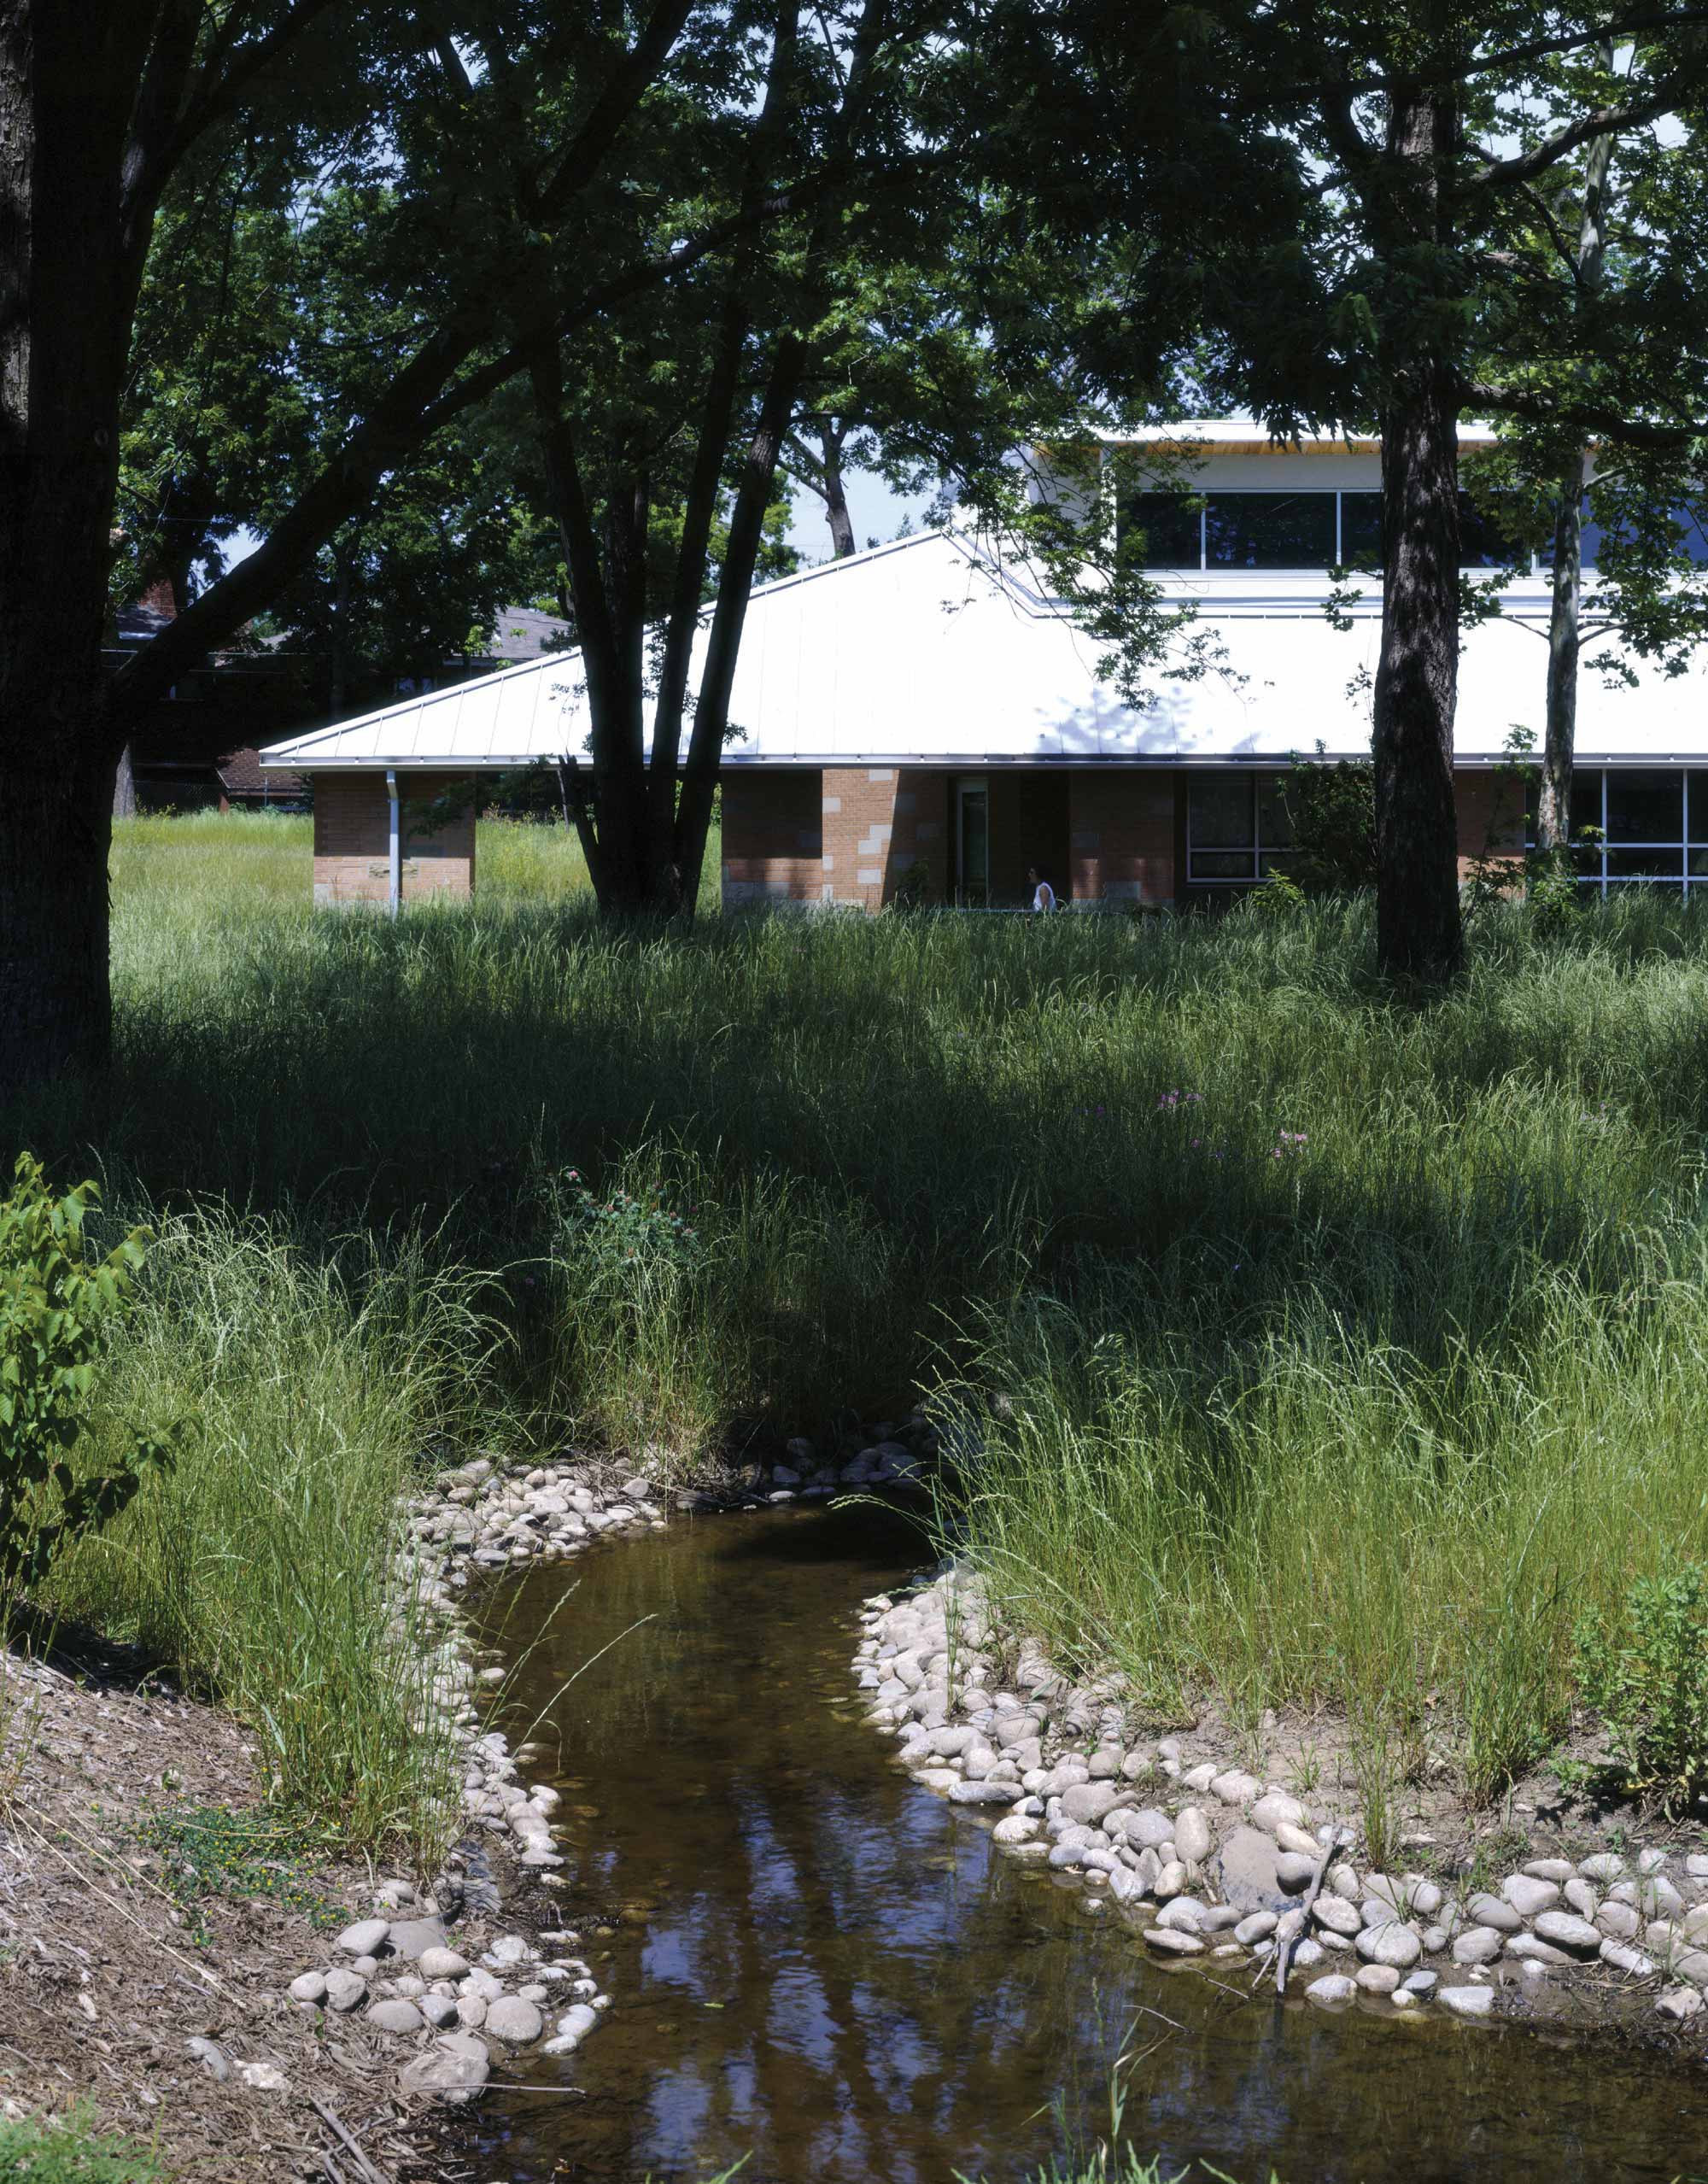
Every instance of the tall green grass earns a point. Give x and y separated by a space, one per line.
312 1375
1346 1343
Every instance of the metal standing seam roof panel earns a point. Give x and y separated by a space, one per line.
929 651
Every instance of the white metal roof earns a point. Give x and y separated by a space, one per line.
1247 434
930 652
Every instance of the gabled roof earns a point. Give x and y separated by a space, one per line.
932 651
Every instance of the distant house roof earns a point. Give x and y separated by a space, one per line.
524 633
935 651
240 774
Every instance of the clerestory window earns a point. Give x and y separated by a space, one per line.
1299 531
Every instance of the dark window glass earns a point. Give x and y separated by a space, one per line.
1696 862
1360 529
1645 863
1699 806
1485 541
1644 805
1269 531
1223 865
1693 522
1586 801
1221 811
1169 522
1274 821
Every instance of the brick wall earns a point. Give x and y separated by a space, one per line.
773 837
1123 830
879 823
352 836
1490 812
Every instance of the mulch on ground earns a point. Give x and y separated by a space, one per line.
111 1962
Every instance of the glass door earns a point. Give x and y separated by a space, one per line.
972 845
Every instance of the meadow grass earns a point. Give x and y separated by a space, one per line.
1327 1346
309 1373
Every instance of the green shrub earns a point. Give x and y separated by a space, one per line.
1332 809
66 2150
1645 1672
58 1305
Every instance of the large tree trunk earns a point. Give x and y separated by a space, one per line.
55 832
1418 933
66 76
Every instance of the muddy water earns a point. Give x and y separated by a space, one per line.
813 1961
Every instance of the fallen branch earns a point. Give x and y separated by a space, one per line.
1284 1950
366 2168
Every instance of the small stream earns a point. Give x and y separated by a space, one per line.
812 1960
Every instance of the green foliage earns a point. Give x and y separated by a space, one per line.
624 1237
1281 896
1643 1667
912 890
58 1308
214 1850
71 2149
1332 811
1552 896
1511 1707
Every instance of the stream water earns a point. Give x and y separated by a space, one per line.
814 1963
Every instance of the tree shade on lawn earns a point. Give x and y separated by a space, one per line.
1348 1349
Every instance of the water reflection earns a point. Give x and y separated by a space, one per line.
813 1960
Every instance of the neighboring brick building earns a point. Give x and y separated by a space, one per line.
922 722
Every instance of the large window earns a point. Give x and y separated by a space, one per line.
1270 530
1652 823
1236 829
1292 530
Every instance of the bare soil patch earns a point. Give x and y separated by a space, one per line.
111 1962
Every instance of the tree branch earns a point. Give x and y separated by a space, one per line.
1585 417
219 89
1604 121
610 111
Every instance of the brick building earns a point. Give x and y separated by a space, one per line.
921 722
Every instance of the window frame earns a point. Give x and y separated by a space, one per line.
1203 567
1253 780
1600 880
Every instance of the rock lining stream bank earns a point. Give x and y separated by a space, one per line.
1212 1866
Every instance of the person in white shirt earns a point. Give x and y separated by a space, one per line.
1044 895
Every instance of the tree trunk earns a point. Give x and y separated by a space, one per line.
125 786
835 499
1554 796
66 80
1418 933
1553 803
1418 927
55 1000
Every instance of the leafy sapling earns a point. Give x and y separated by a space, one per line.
58 1303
